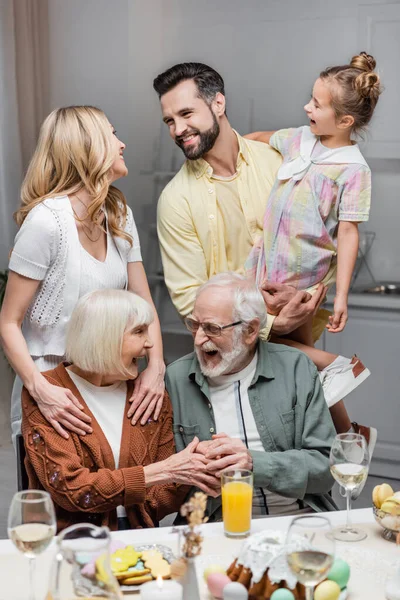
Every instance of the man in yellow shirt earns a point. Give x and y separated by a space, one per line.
211 213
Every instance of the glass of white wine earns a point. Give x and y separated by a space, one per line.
310 551
31 526
349 461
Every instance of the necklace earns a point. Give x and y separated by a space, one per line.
86 228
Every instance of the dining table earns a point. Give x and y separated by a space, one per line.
371 560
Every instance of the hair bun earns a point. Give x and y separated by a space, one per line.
363 61
368 85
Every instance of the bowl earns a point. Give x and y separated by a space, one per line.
389 523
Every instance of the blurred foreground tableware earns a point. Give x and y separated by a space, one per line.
237 500
78 546
349 462
31 526
311 564
161 589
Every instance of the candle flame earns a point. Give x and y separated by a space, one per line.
159 582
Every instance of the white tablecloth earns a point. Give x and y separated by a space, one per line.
371 560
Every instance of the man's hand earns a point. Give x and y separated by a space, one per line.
189 467
298 310
227 453
277 295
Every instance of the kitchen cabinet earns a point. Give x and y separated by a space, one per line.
373 332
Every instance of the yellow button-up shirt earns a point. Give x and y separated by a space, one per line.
187 218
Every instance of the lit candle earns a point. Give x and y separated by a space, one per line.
161 589
235 591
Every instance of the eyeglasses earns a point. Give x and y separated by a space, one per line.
210 329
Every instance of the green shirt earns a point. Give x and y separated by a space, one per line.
293 422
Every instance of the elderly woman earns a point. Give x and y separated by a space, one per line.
120 475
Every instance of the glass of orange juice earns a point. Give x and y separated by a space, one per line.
237 499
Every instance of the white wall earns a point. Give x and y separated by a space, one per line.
269 52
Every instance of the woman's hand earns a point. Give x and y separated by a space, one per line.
60 407
189 467
148 394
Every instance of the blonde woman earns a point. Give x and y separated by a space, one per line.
76 235
120 475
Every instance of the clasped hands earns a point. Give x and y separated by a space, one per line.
223 453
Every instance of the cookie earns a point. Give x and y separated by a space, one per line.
136 580
150 554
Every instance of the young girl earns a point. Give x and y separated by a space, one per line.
322 192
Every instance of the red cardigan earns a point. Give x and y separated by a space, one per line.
80 474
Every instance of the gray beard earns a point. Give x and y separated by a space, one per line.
229 360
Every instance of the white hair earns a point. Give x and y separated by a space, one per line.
97 326
248 302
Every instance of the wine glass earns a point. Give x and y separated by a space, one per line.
31 526
349 461
310 550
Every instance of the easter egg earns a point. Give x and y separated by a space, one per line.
327 590
340 572
282 594
216 583
213 569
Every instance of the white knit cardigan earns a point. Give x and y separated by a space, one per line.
51 226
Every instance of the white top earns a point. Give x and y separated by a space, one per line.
233 416
47 248
107 403
98 275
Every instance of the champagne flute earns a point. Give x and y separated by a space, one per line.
349 461
310 550
31 526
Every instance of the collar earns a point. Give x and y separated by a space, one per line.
201 166
263 369
298 167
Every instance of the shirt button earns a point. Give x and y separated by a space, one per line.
211 217
210 191
212 429
261 426
181 429
209 406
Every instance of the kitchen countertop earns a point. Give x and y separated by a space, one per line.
367 300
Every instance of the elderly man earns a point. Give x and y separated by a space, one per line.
252 404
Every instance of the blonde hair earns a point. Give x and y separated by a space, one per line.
97 326
355 89
75 150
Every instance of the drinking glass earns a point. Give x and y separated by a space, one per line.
310 552
31 526
237 501
349 461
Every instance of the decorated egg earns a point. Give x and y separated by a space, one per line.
340 572
216 583
327 590
282 594
213 569
235 591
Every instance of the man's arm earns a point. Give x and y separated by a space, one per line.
297 472
184 263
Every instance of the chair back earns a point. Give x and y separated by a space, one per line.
22 475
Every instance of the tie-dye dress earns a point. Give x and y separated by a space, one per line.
316 188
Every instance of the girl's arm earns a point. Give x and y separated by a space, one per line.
347 250
149 389
260 136
58 405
